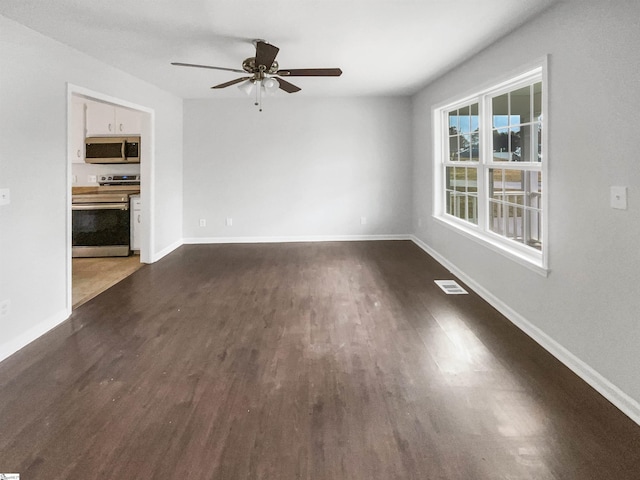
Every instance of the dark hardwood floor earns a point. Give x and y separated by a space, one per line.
300 361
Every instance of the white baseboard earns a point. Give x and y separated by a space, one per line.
166 251
611 392
292 239
12 346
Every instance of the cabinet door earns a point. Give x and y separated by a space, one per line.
100 119
136 221
128 122
77 131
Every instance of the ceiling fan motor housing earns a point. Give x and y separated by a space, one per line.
249 66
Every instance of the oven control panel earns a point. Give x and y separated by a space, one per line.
119 179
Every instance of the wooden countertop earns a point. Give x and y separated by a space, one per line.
129 190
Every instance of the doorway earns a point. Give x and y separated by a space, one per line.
90 276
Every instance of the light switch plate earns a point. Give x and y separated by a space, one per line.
5 197
619 198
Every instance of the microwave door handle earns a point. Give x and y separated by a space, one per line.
123 150
100 206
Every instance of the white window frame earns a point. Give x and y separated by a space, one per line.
536 260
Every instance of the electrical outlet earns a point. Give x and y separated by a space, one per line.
619 198
4 308
203 222
229 222
363 220
93 179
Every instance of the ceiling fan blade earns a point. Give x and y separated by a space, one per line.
265 54
288 87
232 82
179 64
310 72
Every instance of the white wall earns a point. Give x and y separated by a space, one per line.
34 72
302 168
589 304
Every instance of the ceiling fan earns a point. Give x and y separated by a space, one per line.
265 73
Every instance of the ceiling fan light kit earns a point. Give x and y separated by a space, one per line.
265 73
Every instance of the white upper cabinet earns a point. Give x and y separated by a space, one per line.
106 119
128 122
77 125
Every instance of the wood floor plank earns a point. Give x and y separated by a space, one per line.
305 361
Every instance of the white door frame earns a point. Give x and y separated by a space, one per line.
147 182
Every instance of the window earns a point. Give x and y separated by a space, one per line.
490 167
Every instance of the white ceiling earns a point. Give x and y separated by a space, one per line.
390 47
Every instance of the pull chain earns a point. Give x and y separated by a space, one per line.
258 102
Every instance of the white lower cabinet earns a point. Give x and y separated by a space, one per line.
136 218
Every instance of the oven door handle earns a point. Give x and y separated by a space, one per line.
101 206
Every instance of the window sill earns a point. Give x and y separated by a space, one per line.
532 262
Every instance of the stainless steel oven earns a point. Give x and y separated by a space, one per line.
100 225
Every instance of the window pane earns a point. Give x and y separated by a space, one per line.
456 179
450 177
475 120
532 234
461 193
465 147
453 148
515 146
475 147
538 127
536 185
495 217
515 205
472 180
465 120
520 106
534 222
496 182
463 206
537 100
501 145
500 111
534 189
507 220
453 122
525 144
507 185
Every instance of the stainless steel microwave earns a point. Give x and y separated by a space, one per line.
112 150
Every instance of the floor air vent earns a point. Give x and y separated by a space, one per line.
450 287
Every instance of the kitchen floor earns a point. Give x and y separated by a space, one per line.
92 276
